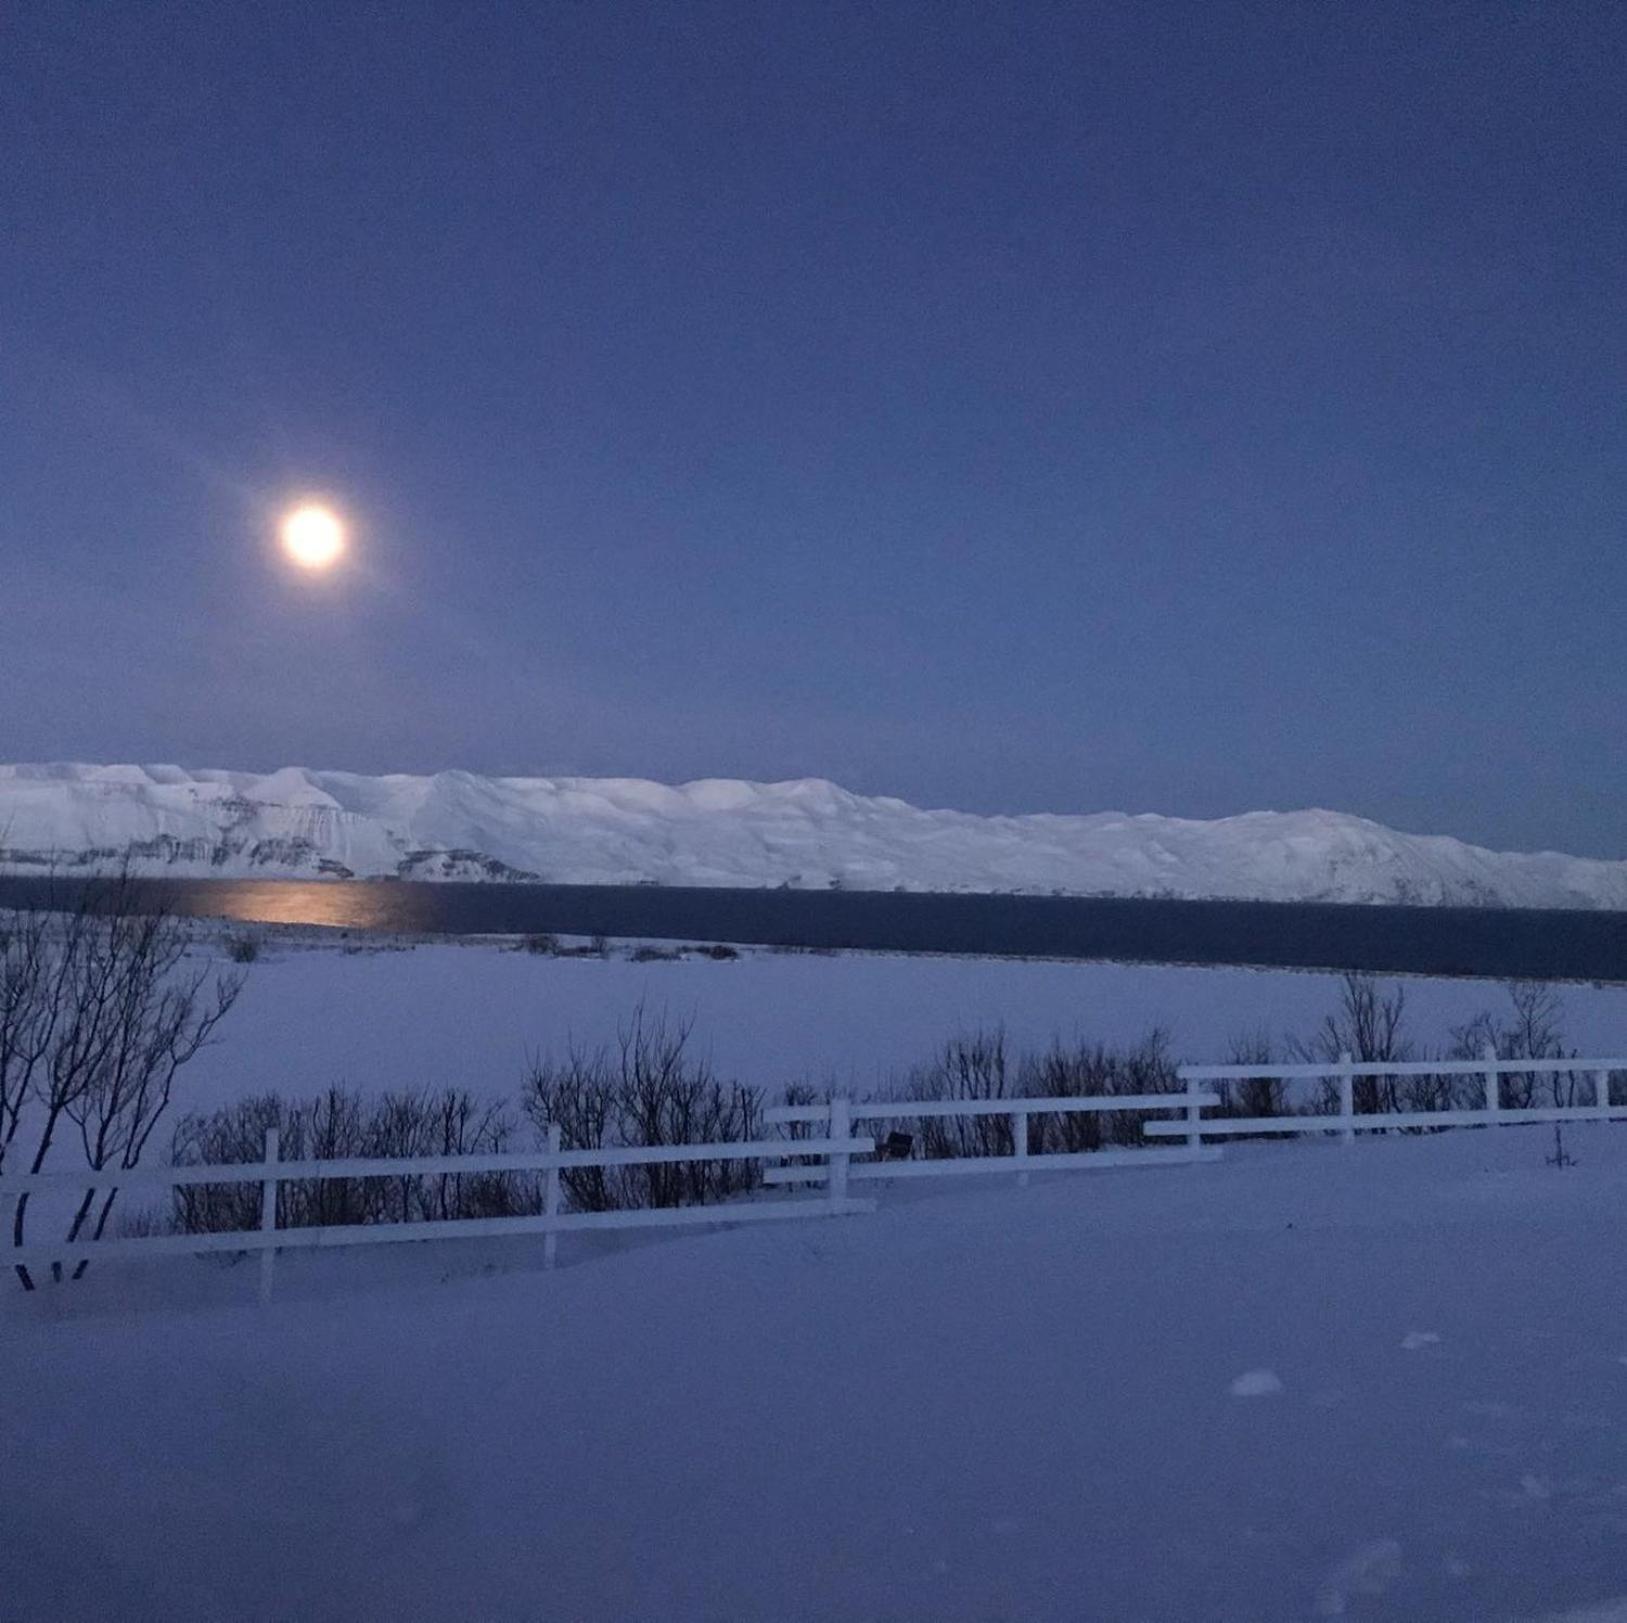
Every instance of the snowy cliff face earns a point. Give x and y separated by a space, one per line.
808 833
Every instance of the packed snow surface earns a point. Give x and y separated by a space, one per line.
1183 1393
805 833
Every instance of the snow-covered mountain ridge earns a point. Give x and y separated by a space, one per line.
809 833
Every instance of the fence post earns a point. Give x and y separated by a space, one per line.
841 1128
1194 1122
1347 1098
268 1216
1494 1102
550 1199
1601 1089
1019 1145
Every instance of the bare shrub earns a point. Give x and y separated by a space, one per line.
1066 1073
979 1066
1253 1095
31 995
1370 1025
969 1067
1532 1029
1094 1070
99 1009
804 1093
340 1124
649 1092
227 1137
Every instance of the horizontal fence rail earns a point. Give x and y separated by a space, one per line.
1018 1110
920 1109
1387 1121
272 1172
973 1165
418 1166
1346 1121
1401 1067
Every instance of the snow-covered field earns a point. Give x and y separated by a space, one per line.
1388 1381
470 1014
1308 1381
805 833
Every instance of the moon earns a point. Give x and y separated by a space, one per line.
313 536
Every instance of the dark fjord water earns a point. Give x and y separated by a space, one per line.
1496 942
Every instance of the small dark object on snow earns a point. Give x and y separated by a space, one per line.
895 1147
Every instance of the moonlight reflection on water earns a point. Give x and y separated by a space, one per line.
1500 943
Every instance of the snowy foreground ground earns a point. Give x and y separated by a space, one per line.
1306 1382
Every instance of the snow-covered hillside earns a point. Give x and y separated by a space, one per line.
805 833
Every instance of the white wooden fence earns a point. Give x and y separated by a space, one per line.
839 1114
826 1159
550 1222
1347 1123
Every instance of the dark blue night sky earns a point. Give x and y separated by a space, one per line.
1175 407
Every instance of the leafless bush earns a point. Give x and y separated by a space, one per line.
99 1009
1533 1029
1254 1095
980 1067
649 1092
1369 1025
969 1067
804 1093
1093 1070
341 1124
1066 1073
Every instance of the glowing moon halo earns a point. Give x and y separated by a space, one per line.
313 536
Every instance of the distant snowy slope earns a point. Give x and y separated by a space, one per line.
806 833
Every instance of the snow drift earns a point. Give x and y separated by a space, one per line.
810 833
